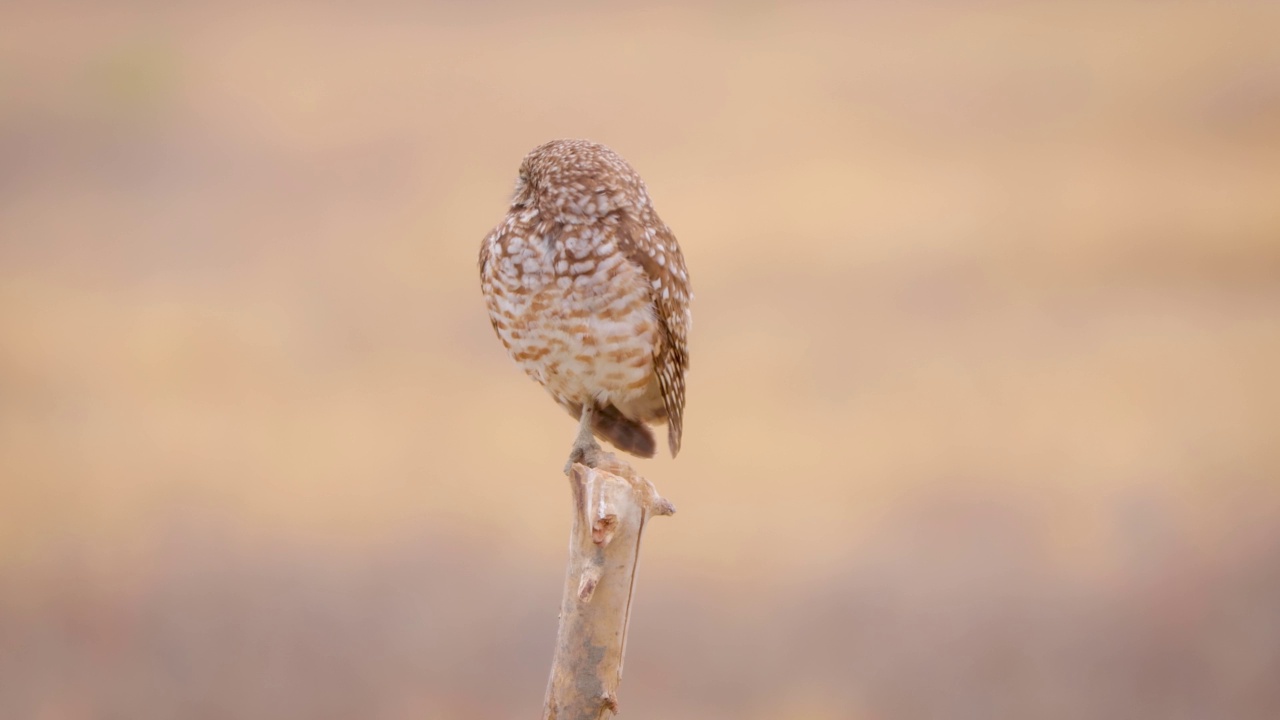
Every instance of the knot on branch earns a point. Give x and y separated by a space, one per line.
603 527
587 585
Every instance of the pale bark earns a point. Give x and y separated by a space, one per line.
611 505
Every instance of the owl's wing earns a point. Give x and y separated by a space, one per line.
651 244
486 276
485 251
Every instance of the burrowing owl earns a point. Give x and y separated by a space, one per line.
588 291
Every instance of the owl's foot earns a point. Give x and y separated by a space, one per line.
585 448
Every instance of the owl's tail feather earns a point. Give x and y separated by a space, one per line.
623 433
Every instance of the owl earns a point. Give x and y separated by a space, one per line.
587 289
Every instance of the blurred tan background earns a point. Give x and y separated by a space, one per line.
984 405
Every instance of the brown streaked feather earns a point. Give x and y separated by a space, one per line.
671 356
624 433
486 286
608 423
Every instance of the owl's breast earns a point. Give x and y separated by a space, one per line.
576 314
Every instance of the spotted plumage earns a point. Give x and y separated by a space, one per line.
588 291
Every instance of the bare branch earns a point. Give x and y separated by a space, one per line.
611 506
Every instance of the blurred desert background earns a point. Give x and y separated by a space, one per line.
984 407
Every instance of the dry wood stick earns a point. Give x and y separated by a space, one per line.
611 506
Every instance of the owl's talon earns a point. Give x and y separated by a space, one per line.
585 448
586 451
586 455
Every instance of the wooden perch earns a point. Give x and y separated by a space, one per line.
611 506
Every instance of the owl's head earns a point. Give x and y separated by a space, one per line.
577 181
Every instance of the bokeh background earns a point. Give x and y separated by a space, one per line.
984 404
